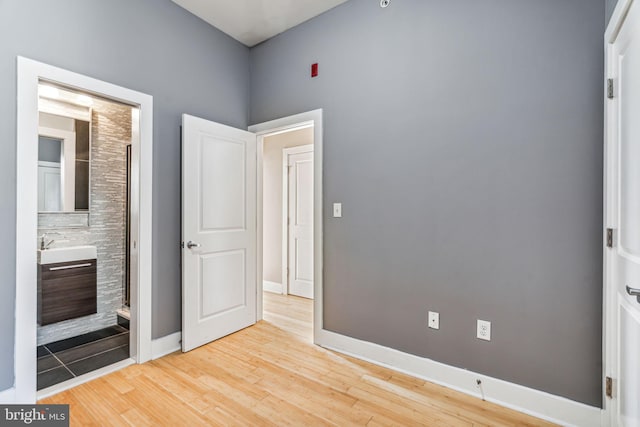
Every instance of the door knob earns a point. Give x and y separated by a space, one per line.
634 292
192 245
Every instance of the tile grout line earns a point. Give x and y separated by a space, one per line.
65 366
94 355
70 338
91 342
52 355
46 348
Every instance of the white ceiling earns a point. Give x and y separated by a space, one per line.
254 21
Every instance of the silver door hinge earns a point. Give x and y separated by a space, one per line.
609 237
608 382
610 88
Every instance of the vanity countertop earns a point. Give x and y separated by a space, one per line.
73 253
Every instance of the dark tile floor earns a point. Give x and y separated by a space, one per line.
62 360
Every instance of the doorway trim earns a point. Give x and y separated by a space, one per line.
30 73
274 127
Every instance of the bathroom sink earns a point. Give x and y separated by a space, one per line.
73 253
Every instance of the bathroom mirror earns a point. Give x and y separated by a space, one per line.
64 146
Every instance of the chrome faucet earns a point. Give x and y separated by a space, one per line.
43 243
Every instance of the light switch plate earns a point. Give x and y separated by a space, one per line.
337 210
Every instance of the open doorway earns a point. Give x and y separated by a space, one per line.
287 177
84 213
67 210
222 226
297 314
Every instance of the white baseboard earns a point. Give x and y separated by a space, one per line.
8 396
276 288
523 399
165 345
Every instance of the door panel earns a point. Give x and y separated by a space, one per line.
49 189
629 370
223 183
304 182
301 224
629 60
219 269
219 218
304 260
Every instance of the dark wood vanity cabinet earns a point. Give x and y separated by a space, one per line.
66 290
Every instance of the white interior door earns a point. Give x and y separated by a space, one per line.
219 221
300 231
49 187
623 213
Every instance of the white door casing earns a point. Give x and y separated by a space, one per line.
219 230
300 220
622 213
30 73
273 127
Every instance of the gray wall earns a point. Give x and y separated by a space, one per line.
464 139
152 46
610 5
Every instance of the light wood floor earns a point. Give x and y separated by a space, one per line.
271 375
289 313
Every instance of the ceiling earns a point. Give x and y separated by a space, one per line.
254 21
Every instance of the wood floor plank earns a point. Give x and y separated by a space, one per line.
272 375
99 409
135 418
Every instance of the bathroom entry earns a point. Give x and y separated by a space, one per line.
84 233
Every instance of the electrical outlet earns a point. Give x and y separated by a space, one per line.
484 330
434 320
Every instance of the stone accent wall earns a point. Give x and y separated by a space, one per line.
111 133
57 220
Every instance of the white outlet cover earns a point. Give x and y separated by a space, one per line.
434 320
484 330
